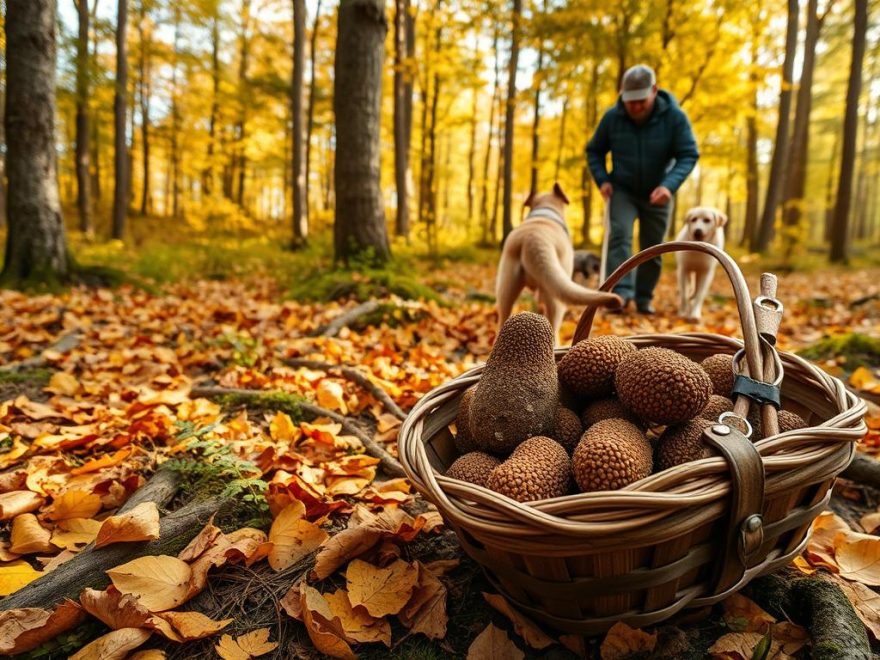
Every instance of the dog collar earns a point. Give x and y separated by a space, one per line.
549 214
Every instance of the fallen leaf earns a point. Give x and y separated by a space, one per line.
281 428
323 627
107 460
16 574
863 378
161 582
529 631
494 644
29 536
62 382
742 614
16 502
740 645
381 590
293 537
341 547
138 524
426 610
858 558
358 624
866 602
25 629
149 654
73 533
193 625
74 504
114 645
202 541
252 645
621 641
115 609
791 637
870 521
331 395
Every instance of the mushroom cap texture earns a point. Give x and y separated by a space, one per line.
568 428
719 367
607 408
587 370
683 443
464 441
538 469
474 467
612 453
662 386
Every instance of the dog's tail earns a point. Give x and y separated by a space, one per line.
540 257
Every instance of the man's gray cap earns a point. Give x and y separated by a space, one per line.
637 83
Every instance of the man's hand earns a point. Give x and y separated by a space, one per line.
607 190
660 196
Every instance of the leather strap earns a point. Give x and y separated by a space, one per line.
745 530
761 393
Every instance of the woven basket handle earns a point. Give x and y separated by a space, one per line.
753 349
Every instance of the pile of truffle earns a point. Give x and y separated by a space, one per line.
606 416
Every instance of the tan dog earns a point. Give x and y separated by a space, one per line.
696 269
538 254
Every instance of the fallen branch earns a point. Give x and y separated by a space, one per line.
65 344
387 462
352 374
818 604
864 470
344 319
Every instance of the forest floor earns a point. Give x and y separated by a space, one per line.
100 386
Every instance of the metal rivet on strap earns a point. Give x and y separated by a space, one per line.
753 523
721 429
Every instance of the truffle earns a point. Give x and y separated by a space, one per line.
538 469
612 453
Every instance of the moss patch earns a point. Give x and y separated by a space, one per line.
855 349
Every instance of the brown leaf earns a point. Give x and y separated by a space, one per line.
74 504
357 624
25 629
116 610
324 628
202 541
345 545
252 645
866 602
740 645
293 537
161 582
494 644
16 502
381 590
193 625
114 645
744 615
28 536
426 610
857 555
138 524
623 641
528 630
74 533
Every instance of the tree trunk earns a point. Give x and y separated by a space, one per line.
310 120
869 128
490 136
509 115
359 227
36 248
83 184
780 150
431 163
96 132
401 141
561 140
748 236
829 187
795 205
536 121
209 176
592 111
2 152
175 121
840 232
144 80
241 127
120 155
300 202
472 151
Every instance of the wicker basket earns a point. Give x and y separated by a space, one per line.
685 537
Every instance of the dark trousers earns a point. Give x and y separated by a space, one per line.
653 222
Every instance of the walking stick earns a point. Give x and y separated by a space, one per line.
606 231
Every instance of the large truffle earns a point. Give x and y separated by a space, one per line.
609 408
464 441
518 393
683 443
568 429
538 469
719 367
474 467
587 370
611 454
716 406
662 386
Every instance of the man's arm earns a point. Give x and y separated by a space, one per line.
685 152
597 148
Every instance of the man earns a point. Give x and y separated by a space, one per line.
652 152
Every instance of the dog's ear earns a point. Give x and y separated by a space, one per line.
529 200
557 190
720 218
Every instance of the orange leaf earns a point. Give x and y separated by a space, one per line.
114 645
27 628
115 609
252 645
17 502
381 590
282 428
293 537
74 504
107 460
744 615
138 524
193 625
863 379
28 536
426 611
75 532
324 628
202 541
494 644
858 556
623 641
62 382
528 630
331 395
357 624
161 582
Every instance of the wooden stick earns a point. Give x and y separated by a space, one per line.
344 319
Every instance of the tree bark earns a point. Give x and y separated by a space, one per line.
592 111
561 141
748 236
359 227
840 232
174 151
36 248
310 120
120 155
300 202
240 156
209 176
509 116
431 164
490 136
780 150
144 85
401 117
83 183
472 150
536 120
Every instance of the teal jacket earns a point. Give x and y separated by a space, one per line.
660 152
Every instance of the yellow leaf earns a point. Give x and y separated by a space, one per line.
324 628
330 395
863 379
15 452
75 532
115 609
16 502
24 629
193 625
858 557
107 460
494 644
252 645
324 433
426 611
139 524
74 504
343 546
62 382
16 574
528 630
870 521
293 537
114 645
282 428
161 582
357 624
29 536
623 641
381 590
742 614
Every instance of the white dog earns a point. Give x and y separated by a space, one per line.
696 269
